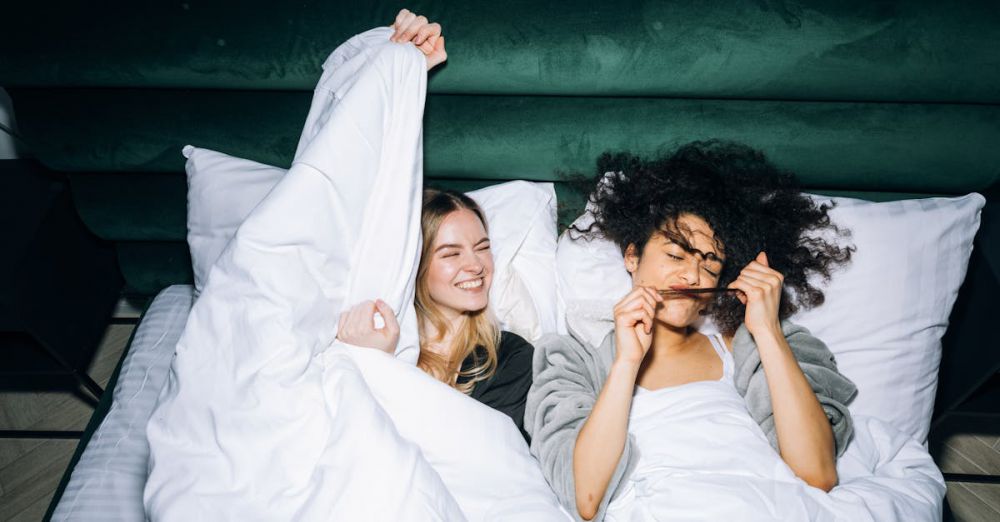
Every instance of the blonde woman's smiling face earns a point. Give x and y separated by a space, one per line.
460 271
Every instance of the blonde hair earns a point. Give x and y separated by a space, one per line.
479 328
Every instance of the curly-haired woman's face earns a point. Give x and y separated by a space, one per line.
692 260
461 267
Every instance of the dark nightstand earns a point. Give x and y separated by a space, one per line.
58 285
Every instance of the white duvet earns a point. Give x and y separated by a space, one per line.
264 415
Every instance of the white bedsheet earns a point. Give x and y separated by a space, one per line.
264 416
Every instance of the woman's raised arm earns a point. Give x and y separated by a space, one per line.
578 406
805 437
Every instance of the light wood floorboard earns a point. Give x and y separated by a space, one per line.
988 493
967 507
969 446
30 469
976 451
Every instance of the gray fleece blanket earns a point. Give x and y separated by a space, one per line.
568 376
833 390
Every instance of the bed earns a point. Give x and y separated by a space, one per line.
882 102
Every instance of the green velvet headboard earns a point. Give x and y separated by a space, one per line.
878 99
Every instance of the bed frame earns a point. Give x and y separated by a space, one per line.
880 100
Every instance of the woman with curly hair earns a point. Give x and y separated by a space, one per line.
655 421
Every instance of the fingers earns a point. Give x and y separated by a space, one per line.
643 314
428 46
401 17
426 36
426 32
761 264
748 290
358 318
763 273
409 30
403 20
638 297
362 313
639 317
756 287
391 325
766 281
639 306
438 55
759 274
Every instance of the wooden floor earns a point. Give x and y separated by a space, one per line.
969 445
30 469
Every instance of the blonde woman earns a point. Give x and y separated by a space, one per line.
460 342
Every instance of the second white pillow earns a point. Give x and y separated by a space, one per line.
223 190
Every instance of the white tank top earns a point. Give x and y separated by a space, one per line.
701 453
727 366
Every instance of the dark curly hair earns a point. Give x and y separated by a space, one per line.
750 204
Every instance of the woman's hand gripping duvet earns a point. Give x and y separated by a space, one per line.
410 27
359 326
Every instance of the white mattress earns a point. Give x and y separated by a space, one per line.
108 480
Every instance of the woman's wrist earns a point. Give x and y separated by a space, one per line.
770 340
771 331
624 368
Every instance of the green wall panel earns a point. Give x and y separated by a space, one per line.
135 207
916 50
149 267
926 148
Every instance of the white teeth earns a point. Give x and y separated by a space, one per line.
466 285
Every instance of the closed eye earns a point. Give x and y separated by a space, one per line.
678 258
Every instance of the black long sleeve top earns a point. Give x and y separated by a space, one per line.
507 389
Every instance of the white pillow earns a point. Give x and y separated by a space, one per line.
884 314
522 222
223 190
591 278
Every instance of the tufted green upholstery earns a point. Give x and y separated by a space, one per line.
870 146
881 98
863 50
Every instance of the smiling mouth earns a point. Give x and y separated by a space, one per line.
470 285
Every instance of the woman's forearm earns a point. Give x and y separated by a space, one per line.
805 437
601 441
